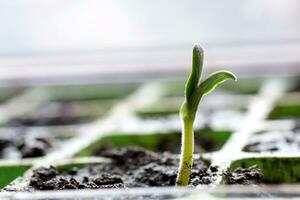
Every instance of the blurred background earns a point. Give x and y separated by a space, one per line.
102 39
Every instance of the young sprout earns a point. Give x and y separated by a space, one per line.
194 91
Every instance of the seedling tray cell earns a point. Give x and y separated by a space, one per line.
99 173
64 113
158 142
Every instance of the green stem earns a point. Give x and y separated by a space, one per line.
186 158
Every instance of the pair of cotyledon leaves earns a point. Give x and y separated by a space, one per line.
194 89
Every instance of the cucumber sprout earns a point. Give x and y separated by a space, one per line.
194 91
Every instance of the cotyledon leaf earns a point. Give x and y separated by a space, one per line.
194 78
214 80
206 87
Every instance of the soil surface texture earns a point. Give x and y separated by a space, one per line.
274 141
167 146
244 176
47 121
18 143
53 114
130 167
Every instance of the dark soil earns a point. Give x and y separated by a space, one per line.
244 176
166 145
274 141
17 143
130 167
57 113
163 146
296 87
297 125
48 121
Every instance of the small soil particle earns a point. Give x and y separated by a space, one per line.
244 176
130 167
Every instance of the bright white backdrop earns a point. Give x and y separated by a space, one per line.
103 39
34 26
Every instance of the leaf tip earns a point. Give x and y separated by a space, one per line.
228 74
232 76
197 50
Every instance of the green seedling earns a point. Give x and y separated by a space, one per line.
194 91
